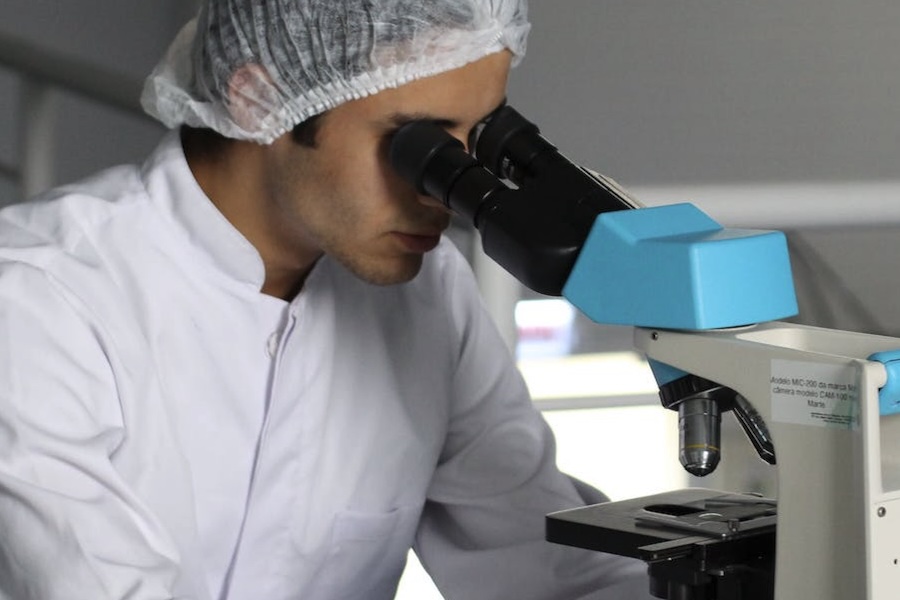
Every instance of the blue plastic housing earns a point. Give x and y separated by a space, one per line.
674 267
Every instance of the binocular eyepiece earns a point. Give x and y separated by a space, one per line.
533 207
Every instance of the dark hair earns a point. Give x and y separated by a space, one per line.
304 133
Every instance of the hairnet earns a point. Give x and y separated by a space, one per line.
253 69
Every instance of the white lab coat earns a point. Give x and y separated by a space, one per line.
167 431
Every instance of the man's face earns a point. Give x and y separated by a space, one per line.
342 197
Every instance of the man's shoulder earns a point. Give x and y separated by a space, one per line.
66 213
79 235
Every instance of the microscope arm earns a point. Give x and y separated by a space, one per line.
830 406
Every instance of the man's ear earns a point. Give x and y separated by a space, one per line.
251 96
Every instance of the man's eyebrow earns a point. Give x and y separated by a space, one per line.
399 119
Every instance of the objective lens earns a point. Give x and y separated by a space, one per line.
699 425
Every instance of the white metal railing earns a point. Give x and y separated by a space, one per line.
42 72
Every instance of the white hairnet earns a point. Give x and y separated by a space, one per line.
254 69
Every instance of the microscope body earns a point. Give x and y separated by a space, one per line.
706 304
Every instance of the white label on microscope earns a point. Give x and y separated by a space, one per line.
822 395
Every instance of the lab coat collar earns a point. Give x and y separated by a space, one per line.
172 186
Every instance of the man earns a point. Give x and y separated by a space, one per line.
251 368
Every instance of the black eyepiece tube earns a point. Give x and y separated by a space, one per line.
438 165
512 147
535 230
509 144
414 148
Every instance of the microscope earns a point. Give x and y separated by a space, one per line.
822 406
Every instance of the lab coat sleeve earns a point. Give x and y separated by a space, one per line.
482 530
71 528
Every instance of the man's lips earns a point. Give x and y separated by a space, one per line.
418 243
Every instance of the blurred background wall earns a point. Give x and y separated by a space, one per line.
789 103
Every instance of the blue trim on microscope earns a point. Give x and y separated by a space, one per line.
664 373
674 267
889 395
